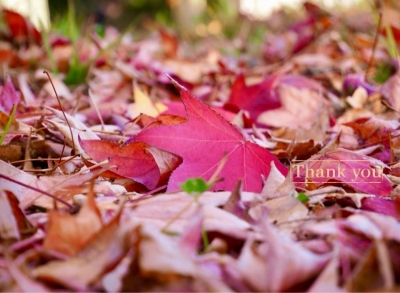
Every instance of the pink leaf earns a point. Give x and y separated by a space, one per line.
347 167
203 141
381 206
8 96
178 109
133 160
255 98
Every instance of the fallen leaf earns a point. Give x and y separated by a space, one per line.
143 105
372 271
251 256
345 166
166 163
170 42
7 54
8 96
101 254
134 160
354 81
391 91
388 225
172 270
330 103
358 99
29 96
203 141
260 267
11 152
68 234
178 109
373 131
180 207
235 205
190 238
24 282
13 223
255 98
284 211
294 113
383 206
273 183
71 131
328 280
295 264
390 17
164 119
60 184
21 28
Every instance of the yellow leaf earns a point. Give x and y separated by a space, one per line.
144 105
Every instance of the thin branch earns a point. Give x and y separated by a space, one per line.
38 190
62 110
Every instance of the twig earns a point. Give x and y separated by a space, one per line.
38 190
97 110
62 110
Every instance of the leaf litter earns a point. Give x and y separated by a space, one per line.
179 170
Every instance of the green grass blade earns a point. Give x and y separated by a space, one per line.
8 125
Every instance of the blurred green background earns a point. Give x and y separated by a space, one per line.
184 16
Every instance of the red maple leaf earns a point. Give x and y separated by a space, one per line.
20 27
136 161
203 141
255 98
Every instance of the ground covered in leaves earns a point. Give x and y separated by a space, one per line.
160 165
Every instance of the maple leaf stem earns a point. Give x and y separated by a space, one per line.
38 190
61 107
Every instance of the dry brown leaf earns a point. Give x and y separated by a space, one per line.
68 234
13 223
100 255
288 262
328 280
373 272
57 185
180 207
293 114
